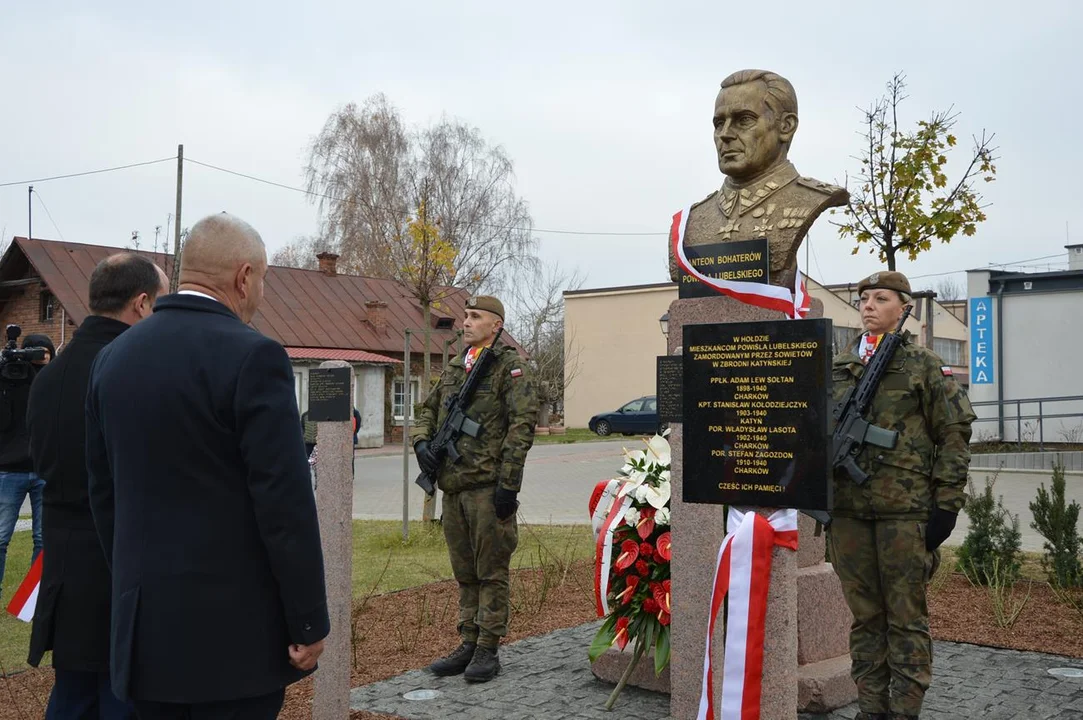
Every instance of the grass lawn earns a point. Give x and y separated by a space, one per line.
382 562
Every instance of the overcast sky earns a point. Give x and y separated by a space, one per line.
605 108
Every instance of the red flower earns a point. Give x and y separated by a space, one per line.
650 605
645 526
629 551
665 543
625 595
663 618
646 550
642 567
621 638
662 594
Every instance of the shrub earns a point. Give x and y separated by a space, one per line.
1056 521
993 545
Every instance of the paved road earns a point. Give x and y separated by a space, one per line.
559 479
556 484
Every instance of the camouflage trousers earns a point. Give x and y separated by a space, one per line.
884 569
480 547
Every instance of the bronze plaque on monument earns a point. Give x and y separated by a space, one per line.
756 413
329 395
736 260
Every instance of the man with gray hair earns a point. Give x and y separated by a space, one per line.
201 495
72 614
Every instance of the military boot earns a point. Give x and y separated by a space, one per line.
870 716
456 662
900 716
484 667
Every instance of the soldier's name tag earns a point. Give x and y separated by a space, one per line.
516 373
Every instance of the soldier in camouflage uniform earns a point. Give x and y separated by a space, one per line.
480 491
885 533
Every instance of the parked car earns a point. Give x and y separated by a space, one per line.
638 416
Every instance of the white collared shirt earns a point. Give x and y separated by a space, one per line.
198 294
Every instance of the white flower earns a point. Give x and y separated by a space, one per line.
640 493
631 516
658 497
659 450
662 517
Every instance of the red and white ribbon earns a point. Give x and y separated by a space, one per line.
25 598
744 572
606 514
794 303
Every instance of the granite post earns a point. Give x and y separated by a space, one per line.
698 531
334 503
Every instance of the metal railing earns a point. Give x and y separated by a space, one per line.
1041 416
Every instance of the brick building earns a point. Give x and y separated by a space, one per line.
317 315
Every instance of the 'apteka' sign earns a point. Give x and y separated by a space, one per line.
981 341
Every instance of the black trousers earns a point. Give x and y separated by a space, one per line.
81 695
264 707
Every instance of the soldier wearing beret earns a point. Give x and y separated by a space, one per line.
885 534
479 503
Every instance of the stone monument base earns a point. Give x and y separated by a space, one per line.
611 666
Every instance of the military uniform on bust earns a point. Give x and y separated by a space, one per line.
479 502
763 195
885 534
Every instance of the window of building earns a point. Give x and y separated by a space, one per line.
398 397
48 306
952 352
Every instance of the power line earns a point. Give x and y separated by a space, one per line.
55 227
88 172
310 193
991 265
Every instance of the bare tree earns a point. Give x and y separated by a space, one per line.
949 288
536 320
371 174
300 253
902 200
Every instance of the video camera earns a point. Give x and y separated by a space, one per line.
15 364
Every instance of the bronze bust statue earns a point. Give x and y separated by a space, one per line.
755 119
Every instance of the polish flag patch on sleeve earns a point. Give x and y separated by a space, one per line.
945 371
516 372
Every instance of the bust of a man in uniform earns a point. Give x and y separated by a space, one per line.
755 119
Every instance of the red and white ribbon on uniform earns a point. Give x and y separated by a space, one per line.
607 506
25 598
794 303
744 572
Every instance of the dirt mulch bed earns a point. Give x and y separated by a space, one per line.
406 630
960 612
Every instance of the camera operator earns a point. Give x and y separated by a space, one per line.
18 368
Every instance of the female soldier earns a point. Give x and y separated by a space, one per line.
885 533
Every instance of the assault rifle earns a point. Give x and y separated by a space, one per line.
456 423
852 431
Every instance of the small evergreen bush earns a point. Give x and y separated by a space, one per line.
1056 521
992 549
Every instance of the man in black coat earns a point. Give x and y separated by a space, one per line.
201 495
72 613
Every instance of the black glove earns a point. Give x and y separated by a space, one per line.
505 503
941 523
426 458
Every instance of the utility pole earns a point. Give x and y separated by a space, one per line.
926 310
30 213
175 279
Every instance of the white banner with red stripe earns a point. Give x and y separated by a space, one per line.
794 303
25 598
744 572
609 507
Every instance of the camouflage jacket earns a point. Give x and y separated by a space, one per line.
506 407
929 463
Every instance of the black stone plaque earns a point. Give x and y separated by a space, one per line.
756 413
739 260
668 388
329 395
